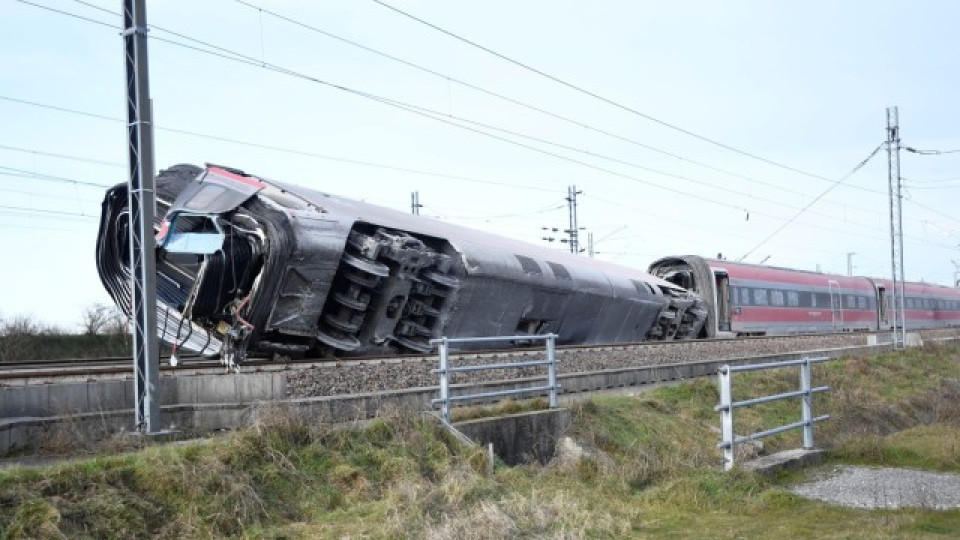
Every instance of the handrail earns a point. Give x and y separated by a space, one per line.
727 405
445 370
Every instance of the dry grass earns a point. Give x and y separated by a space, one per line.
649 469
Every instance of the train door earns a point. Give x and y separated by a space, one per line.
882 313
836 305
722 300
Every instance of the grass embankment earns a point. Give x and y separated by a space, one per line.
43 346
651 469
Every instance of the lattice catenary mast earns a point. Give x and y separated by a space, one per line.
140 193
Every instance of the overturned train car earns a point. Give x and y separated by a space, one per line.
247 265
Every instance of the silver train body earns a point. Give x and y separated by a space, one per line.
248 265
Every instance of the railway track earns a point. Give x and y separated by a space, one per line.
121 366
118 365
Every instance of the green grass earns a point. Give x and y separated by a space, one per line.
651 469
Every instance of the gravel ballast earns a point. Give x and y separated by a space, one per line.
866 487
332 379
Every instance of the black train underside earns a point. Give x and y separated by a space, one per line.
295 272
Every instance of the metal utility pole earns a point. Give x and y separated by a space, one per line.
415 205
850 255
140 199
896 226
956 273
573 232
590 244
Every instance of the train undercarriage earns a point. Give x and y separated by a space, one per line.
252 266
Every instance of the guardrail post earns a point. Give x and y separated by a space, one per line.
806 403
552 369
726 417
444 380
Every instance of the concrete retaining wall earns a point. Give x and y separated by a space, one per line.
32 414
519 438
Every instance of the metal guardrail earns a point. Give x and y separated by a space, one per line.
727 405
446 400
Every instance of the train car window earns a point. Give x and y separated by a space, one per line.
760 297
861 302
851 301
559 271
776 298
793 298
813 299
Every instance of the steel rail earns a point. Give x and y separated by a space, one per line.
53 368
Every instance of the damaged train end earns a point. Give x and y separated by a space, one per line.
247 265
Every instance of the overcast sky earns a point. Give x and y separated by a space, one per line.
804 84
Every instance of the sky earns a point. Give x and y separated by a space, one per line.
803 84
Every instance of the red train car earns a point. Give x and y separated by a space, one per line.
749 299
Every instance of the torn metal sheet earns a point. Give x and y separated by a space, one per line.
248 265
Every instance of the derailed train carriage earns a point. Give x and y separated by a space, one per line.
250 265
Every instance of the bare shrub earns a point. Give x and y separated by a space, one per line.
21 325
99 319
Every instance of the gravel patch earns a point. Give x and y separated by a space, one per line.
866 487
331 379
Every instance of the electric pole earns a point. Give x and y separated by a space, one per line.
141 204
415 205
895 189
573 232
850 255
590 244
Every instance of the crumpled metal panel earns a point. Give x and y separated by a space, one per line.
303 272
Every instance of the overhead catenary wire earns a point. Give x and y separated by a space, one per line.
231 55
814 201
932 210
501 96
932 181
435 115
228 54
286 150
448 78
69 157
46 211
726 190
930 152
601 98
23 173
